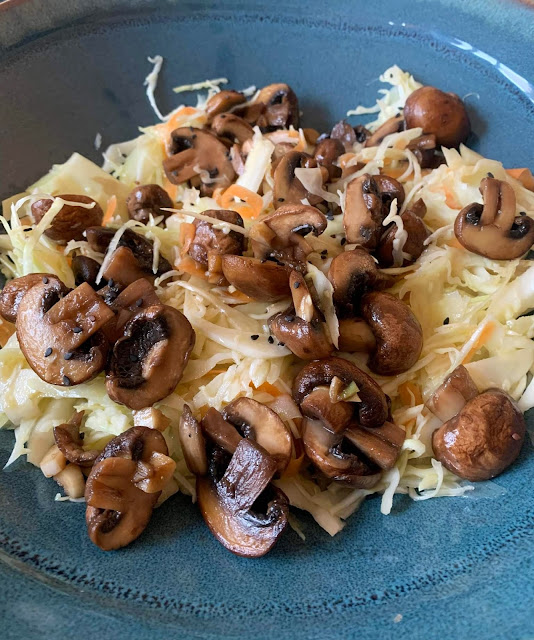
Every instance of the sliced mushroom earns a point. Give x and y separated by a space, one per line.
148 200
381 445
439 113
220 431
363 213
326 154
244 512
85 270
192 443
355 335
335 416
262 425
287 187
398 334
300 328
58 332
393 125
424 149
210 244
494 230
452 394
331 455
68 439
223 101
148 361
414 245
260 279
117 509
281 107
344 133
14 290
389 189
352 274
71 221
371 411
197 152
483 439
232 127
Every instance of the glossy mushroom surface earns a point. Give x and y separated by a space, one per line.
70 443
14 290
71 221
452 395
148 200
260 279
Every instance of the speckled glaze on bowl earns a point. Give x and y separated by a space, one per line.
451 568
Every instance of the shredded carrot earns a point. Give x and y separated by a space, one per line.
344 158
395 172
253 202
450 200
241 297
454 243
190 266
217 193
524 176
266 387
170 188
110 210
6 331
216 372
293 467
484 336
410 394
177 120
186 236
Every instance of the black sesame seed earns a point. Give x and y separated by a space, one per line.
324 257
254 337
270 340
139 302
281 199
66 381
522 213
281 344
296 285
490 175
45 280
343 241
77 330
324 252
68 355
289 318
48 352
81 435
446 321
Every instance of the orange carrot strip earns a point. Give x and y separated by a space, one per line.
186 236
293 467
268 388
254 202
190 266
524 176
484 336
410 394
110 210
454 243
450 199
241 297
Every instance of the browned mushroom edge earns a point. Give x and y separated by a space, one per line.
148 200
14 290
71 221
232 127
260 279
363 212
452 394
493 230
148 361
69 441
279 107
223 101
287 187
414 246
483 439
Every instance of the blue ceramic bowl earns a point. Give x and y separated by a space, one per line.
451 568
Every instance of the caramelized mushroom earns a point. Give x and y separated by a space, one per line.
363 214
223 101
389 189
414 245
287 187
148 361
452 394
326 153
260 279
494 230
335 416
381 445
352 274
85 269
58 332
280 107
197 152
232 127
71 221
371 411
220 431
343 132
393 125
440 113
118 510
355 335
210 244
398 334
244 512
69 442
483 439
148 200
14 290
424 149
192 443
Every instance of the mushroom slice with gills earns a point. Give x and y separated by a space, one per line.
220 431
381 445
326 154
148 361
352 274
483 439
363 212
197 152
69 442
71 221
193 443
58 332
302 331
393 125
287 226
281 107
318 405
331 455
389 190
287 187
371 411
414 245
243 511
232 127
260 279
424 149
223 101
452 394
494 230
14 290
355 336
398 334
117 509
85 269
439 113
148 200
210 244
261 424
